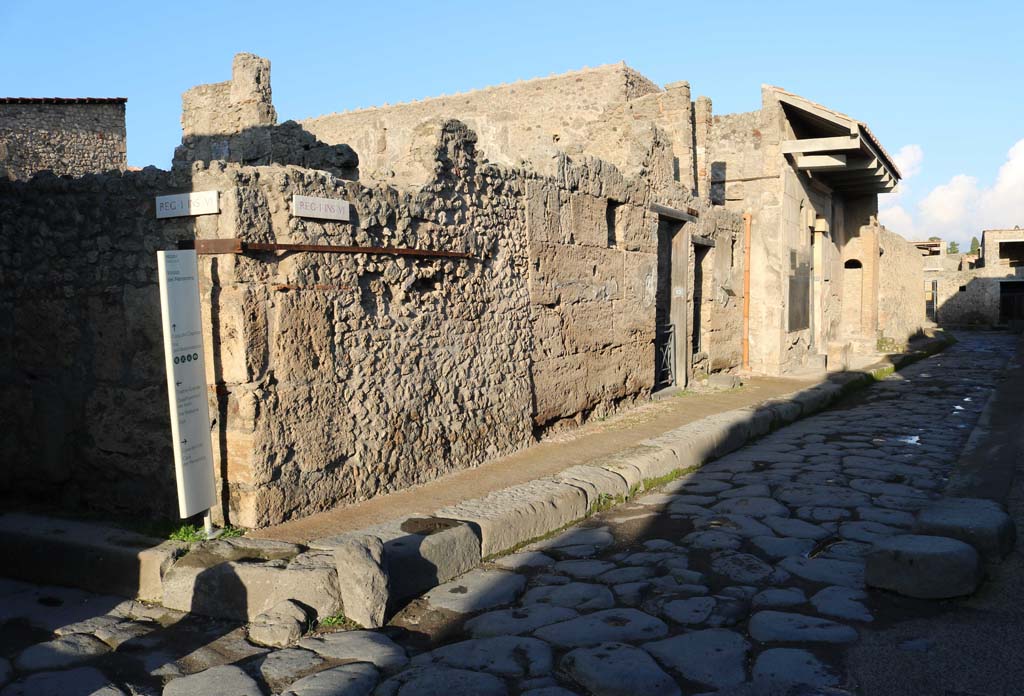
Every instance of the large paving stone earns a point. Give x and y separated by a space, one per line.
87 681
781 547
926 567
981 523
525 559
358 646
356 679
743 525
610 625
792 527
752 507
616 669
578 595
513 515
770 626
842 603
793 665
618 576
692 611
714 539
775 597
716 656
362 579
825 570
815 495
583 569
441 681
226 680
477 590
282 667
279 627
505 656
867 531
744 568
60 653
510 622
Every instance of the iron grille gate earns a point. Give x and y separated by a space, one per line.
665 354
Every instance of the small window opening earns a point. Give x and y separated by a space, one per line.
852 263
610 214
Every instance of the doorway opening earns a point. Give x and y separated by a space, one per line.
700 255
1011 301
667 302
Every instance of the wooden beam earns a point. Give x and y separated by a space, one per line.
820 163
821 145
673 213
869 163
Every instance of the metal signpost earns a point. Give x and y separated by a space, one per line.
186 383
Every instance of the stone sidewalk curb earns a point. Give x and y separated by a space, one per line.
438 545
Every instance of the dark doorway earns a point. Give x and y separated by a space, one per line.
931 294
665 318
700 253
1011 302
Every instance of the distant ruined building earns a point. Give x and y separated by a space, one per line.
597 227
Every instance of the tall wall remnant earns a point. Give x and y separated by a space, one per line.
67 137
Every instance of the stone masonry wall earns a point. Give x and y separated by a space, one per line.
900 290
83 394
70 137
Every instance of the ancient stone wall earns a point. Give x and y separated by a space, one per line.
83 394
900 290
65 136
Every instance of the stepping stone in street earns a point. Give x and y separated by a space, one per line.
744 568
505 656
842 603
616 669
576 595
926 567
792 527
510 622
226 679
526 559
715 656
356 679
603 626
477 590
867 531
775 548
713 539
794 666
981 523
769 626
583 570
435 680
61 653
358 646
752 507
826 571
689 612
775 597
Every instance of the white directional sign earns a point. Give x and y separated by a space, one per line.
186 380
186 204
320 208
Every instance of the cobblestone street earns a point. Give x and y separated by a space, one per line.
732 579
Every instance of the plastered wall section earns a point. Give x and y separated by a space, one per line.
65 139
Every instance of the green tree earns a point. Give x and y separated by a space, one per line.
975 245
935 239
954 248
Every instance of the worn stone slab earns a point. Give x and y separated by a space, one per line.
715 656
609 625
793 665
357 679
583 570
817 495
792 527
752 507
509 622
774 597
441 681
618 576
511 516
226 679
769 626
897 518
781 547
826 571
713 539
81 680
505 656
363 579
358 646
737 524
981 523
745 568
282 667
525 559
692 611
616 669
61 653
477 590
576 595
842 603
926 567
867 531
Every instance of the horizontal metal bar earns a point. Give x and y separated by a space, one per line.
237 246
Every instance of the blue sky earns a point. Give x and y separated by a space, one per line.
946 77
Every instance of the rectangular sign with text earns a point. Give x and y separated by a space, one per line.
186 380
186 204
320 208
